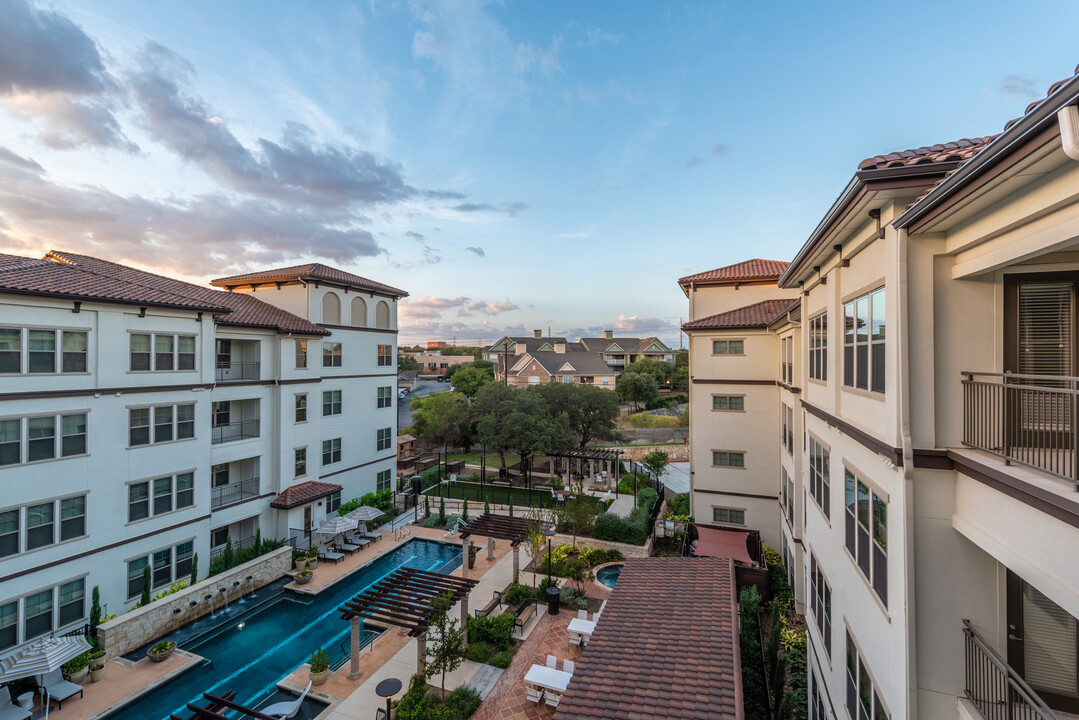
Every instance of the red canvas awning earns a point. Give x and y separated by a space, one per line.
722 544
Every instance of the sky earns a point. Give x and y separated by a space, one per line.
512 166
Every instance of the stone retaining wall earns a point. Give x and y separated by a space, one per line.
134 629
628 551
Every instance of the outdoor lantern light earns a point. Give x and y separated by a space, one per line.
552 592
387 689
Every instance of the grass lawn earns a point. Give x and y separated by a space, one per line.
474 458
517 497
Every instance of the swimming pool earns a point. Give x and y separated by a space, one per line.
608 575
256 644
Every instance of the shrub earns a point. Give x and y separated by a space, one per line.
679 504
573 598
479 652
432 521
646 498
517 594
778 586
463 701
502 660
451 520
632 530
320 660
497 631
544 584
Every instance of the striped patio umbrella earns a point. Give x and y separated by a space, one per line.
337 525
42 656
364 513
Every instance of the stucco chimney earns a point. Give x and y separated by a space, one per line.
560 347
608 334
537 334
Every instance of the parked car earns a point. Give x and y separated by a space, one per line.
402 393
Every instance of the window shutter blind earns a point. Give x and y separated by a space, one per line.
1045 328
1049 646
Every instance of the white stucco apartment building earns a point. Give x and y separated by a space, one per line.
144 420
932 512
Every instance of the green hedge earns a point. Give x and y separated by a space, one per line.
495 631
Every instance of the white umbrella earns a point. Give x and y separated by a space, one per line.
43 656
364 513
337 525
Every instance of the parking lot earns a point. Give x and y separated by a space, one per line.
425 387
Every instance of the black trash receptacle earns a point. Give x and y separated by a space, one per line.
552 600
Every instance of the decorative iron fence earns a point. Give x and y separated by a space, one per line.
233 492
235 431
995 688
234 371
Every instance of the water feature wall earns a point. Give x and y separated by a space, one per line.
138 627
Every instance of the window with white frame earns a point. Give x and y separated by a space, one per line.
161 352
42 438
820 603
385 396
161 495
787 430
331 354
42 612
867 532
299 462
863 699
818 347
301 408
788 496
383 480
728 347
726 458
382 441
301 354
729 402
820 485
385 355
42 350
786 360
333 502
169 422
167 565
42 524
331 402
864 342
331 451
729 516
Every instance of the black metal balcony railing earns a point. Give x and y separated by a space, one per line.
995 688
247 542
235 431
233 492
1026 419
233 371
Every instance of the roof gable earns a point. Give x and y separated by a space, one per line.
746 271
566 367
311 271
757 315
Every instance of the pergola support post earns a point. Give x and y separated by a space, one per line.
464 619
421 653
490 548
354 662
516 561
466 546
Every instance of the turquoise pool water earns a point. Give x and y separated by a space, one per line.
257 643
609 575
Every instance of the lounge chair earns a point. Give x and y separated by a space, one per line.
369 534
552 662
325 553
284 710
58 688
359 541
347 547
568 666
534 694
8 710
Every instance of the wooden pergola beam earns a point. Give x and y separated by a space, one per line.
403 599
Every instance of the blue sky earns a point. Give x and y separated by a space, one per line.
512 166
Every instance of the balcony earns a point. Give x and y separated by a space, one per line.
234 420
237 360
994 688
228 371
233 431
233 492
1025 419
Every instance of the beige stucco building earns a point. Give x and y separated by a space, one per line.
928 499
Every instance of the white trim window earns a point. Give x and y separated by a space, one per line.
863 342
331 402
818 347
161 352
383 479
863 701
820 485
383 439
42 351
149 498
820 602
729 516
726 458
299 462
170 422
301 408
385 396
331 354
729 402
867 532
385 355
331 451
728 347
168 565
42 524
301 354
33 439
42 612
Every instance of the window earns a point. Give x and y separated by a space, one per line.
820 476
167 566
10 442
818 347
331 354
41 438
10 350
37 609
533 380
72 517
74 347
723 458
383 479
300 462
301 408
331 309
184 552
788 491
72 602
385 397
163 495
863 342
172 492
138 501
786 437
135 570
331 451
9 532
42 355
41 435
162 574
333 502
867 533
786 360
9 625
728 402
171 422
383 440
40 525
863 702
331 402
385 355
728 347
359 312
820 603
73 435
729 516
169 352
301 354
382 315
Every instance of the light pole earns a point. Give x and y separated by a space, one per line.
552 592
634 484
387 689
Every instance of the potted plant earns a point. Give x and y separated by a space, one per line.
320 666
76 668
312 558
162 651
303 577
299 559
472 550
97 665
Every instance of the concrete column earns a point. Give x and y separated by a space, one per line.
354 662
421 653
466 545
464 619
592 471
490 548
516 561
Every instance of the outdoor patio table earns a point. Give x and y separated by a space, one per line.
584 627
548 678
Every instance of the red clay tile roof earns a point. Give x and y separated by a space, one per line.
232 309
759 314
27 276
665 646
303 493
959 150
312 271
756 269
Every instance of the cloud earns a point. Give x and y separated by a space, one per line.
694 161
478 251
70 123
720 153
508 208
497 308
636 324
430 306
579 235
597 36
19 161
414 235
1016 86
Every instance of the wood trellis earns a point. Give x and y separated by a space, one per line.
592 454
500 527
403 599
217 707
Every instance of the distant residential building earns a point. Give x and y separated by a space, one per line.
434 363
407 380
436 344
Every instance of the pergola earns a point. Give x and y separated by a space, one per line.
499 527
403 599
218 705
594 456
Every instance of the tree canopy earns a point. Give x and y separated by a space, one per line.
590 411
640 387
442 418
468 379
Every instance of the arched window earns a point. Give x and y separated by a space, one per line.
331 309
382 315
359 312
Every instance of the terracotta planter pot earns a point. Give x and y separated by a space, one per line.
312 563
301 565
78 676
318 678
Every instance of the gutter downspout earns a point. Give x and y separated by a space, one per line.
1068 119
903 377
